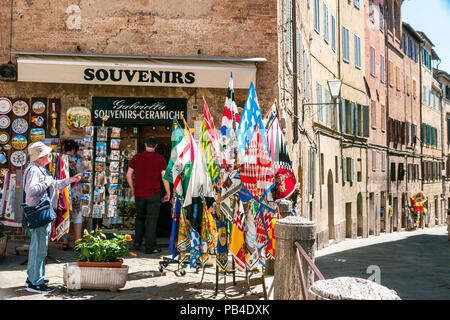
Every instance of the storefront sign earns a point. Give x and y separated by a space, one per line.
144 111
138 71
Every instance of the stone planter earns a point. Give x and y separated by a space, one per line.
3 243
117 264
350 288
76 278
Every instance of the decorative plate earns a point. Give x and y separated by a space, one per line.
20 108
38 107
78 118
20 125
7 146
4 138
37 134
19 142
5 105
3 157
18 158
5 121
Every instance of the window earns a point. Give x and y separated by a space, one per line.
289 24
381 18
345 45
373 113
319 101
359 172
312 171
371 12
392 171
383 161
357 52
333 33
398 78
325 23
299 59
374 160
372 61
382 72
357 4
414 90
391 73
383 118
408 85
317 16
424 92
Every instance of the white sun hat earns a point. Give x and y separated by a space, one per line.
37 150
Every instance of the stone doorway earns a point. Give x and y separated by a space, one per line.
359 215
348 220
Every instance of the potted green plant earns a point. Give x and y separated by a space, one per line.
98 250
100 265
3 241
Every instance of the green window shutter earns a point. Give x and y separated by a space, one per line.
343 113
344 169
366 121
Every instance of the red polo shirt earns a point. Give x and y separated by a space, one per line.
147 168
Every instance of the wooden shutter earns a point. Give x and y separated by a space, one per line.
366 125
344 169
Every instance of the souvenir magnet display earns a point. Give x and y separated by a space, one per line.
5 105
20 108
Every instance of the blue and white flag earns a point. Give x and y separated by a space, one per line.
250 116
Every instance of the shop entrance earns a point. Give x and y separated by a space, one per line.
163 136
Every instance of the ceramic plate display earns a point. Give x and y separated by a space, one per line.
37 120
20 108
20 125
19 142
37 134
4 138
5 105
5 121
38 107
18 158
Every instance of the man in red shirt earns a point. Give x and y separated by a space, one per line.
148 168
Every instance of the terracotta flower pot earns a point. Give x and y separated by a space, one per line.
117 264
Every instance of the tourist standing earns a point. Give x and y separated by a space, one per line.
37 182
148 168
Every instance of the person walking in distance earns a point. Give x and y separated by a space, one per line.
37 182
148 168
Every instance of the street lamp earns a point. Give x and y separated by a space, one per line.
334 86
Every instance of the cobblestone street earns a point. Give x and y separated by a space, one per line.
145 281
416 264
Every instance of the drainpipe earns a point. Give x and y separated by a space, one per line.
388 169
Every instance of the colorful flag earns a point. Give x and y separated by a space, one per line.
222 245
251 115
230 121
230 186
256 167
208 151
251 240
284 174
183 242
178 170
175 226
237 241
211 129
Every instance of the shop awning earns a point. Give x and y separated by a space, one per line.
196 72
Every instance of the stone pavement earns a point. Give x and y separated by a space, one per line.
416 264
145 281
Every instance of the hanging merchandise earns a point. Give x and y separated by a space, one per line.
20 108
19 125
4 137
19 142
78 118
5 121
222 244
38 107
284 173
59 169
5 105
37 120
53 117
36 134
18 158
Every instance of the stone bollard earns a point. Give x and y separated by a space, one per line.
285 209
287 283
